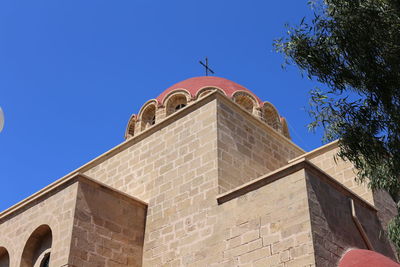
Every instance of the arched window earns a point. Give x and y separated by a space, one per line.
207 90
175 103
285 128
271 116
244 100
38 247
130 130
4 257
179 106
148 116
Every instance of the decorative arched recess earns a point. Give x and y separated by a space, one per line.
176 100
270 116
148 116
38 247
130 129
4 257
207 90
285 128
245 100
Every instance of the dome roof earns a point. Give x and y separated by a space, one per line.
194 85
366 258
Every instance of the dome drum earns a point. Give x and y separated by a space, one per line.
188 91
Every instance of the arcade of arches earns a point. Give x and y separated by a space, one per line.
190 91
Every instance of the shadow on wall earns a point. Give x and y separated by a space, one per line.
331 216
114 226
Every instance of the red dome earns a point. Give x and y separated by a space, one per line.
193 85
366 258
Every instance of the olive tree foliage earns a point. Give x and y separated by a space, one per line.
352 48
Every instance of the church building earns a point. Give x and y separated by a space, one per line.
207 176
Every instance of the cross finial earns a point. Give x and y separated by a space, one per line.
206 67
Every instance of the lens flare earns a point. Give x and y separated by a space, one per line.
1 119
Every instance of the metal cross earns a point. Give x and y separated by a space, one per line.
206 67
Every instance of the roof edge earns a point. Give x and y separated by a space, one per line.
67 181
106 155
285 171
137 138
317 151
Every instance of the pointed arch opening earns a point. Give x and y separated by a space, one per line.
270 116
148 117
244 100
176 102
37 250
4 257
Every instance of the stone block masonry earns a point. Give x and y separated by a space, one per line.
56 210
108 228
209 185
248 148
176 170
90 225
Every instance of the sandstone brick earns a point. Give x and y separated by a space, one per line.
254 255
179 169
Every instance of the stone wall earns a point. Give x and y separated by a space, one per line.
387 210
269 226
108 228
180 167
173 169
334 229
247 147
343 171
166 158
55 210
76 221
386 207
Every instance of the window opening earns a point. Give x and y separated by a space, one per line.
46 260
178 107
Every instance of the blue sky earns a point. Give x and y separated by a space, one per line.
72 72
